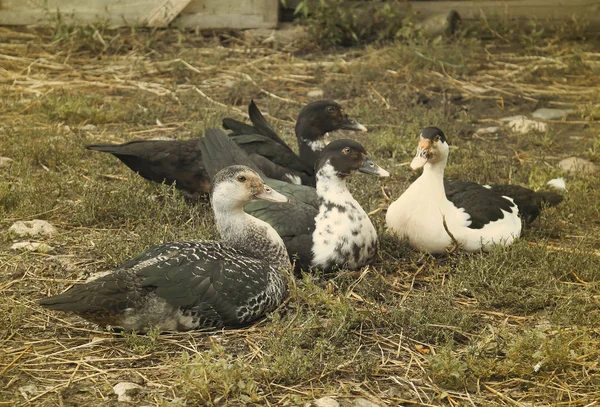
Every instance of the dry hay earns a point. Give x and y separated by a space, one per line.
70 362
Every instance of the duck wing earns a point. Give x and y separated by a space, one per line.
279 172
481 203
283 156
261 140
169 161
260 125
209 282
529 202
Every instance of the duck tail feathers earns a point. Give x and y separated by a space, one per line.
107 148
219 151
237 127
262 125
551 198
62 302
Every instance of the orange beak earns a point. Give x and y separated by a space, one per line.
423 154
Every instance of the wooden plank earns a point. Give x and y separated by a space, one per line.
234 14
540 9
113 12
469 9
230 14
166 12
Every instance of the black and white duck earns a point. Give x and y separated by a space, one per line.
477 216
180 161
274 157
322 227
179 286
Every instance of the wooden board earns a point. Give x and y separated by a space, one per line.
468 9
166 12
540 9
235 14
230 14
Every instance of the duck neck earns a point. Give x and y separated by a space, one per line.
433 176
331 186
250 235
310 142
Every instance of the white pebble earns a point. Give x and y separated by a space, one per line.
35 227
558 183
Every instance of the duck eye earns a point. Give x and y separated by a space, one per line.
241 178
347 150
331 109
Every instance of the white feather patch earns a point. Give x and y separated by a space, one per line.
558 183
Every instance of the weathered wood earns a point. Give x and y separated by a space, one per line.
541 9
468 9
230 14
196 13
124 12
166 12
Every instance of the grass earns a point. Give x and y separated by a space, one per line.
515 326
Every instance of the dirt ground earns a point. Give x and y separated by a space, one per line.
517 326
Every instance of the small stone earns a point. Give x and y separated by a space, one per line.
315 93
552 114
557 183
125 390
66 261
474 89
362 402
28 390
5 161
32 247
286 33
523 125
89 127
34 227
487 130
324 402
575 165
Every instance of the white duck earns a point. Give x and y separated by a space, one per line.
478 218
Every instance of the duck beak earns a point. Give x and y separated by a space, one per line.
369 167
269 194
423 154
351 124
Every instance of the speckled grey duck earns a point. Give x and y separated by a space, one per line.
180 161
274 157
180 286
322 227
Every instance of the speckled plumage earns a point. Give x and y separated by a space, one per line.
304 222
194 284
344 235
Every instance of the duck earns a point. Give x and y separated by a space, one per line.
180 286
274 156
180 162
477 217
530 203
164 161
324 228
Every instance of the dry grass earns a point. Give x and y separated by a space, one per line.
513 327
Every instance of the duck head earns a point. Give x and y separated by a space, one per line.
324 116
346 156
432 148
237 185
